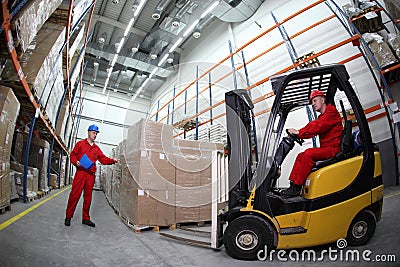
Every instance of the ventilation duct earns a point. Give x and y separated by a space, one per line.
130 62
178 16
160 8
203 22
236 10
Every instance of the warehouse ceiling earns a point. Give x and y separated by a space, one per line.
148 46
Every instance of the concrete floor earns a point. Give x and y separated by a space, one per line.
39 238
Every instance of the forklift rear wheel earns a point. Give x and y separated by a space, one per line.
361 228
246 236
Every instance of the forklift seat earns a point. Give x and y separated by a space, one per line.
346 148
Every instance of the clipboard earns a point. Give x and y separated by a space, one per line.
85 162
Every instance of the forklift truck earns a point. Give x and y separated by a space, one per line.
342 197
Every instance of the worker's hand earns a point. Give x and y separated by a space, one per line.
117 161
78 163
293 131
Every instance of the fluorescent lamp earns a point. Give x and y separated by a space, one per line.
105 85
140 6
214 5
152 73
114 60
186 33
129 27
176 45
163 60
145 82
121 43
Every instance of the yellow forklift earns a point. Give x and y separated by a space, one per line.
342 197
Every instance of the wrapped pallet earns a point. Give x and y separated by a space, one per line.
9 107
30 19
165 181
32 176
42 67
38 156
381 50
394 42
79 8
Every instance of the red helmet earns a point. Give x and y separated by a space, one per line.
315 93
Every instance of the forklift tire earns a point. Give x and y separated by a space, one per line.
361 228
246 236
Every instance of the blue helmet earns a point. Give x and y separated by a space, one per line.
93 127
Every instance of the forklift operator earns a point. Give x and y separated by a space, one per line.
329 127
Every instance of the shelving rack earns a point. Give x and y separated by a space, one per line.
31 112
354 39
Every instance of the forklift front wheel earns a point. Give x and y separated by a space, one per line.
246 236
361 228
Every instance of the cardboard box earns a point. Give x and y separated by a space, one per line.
150 135
139 206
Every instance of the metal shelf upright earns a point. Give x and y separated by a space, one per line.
379 79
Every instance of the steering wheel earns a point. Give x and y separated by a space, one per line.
295 137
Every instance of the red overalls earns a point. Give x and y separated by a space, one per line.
329 128
84 179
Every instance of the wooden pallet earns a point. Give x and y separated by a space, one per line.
194 223
5 208
30 199
39 194
139 228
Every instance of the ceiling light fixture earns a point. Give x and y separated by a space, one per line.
152 73
153 56
163 60
214 5
156 15
135 5
190 29
175 23
176 45
139 8
196 34
128 28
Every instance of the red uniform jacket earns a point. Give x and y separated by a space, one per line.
93 152
328 126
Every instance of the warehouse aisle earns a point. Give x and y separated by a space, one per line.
40 239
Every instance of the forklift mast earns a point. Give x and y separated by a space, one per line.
239 114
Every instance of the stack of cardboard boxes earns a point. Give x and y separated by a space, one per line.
165 181
9 107
38 157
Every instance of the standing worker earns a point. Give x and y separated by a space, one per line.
84 157
329 127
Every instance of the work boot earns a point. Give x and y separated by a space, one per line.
67 221
89 223
292 191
